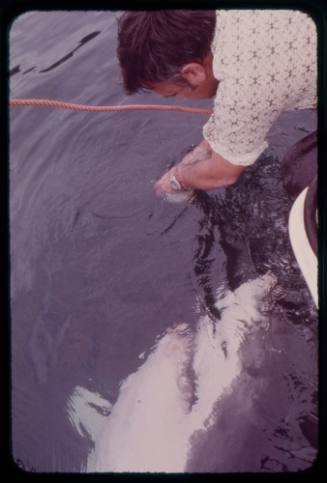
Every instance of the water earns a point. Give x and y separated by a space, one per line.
132 317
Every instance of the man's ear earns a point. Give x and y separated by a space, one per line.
194 73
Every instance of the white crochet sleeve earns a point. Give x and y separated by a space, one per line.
266 63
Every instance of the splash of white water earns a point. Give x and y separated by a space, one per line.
175 391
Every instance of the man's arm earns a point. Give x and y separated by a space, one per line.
201 169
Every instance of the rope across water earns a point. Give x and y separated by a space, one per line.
89 108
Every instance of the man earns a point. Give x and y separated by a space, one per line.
257 63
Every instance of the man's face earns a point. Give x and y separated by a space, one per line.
197 82
203 90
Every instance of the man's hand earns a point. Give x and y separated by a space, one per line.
164 186
203 169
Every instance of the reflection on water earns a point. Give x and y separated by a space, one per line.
117 296
83 41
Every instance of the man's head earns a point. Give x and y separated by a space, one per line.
168 51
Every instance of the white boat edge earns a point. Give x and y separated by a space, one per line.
303 252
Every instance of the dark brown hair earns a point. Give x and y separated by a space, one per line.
154 45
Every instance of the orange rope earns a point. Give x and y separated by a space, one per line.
128 107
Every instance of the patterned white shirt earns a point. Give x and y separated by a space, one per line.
266 63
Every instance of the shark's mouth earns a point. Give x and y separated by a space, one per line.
175 392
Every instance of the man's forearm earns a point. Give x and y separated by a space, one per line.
205 169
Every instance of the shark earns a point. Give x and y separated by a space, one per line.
175 393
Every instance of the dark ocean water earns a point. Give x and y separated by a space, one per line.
100 267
